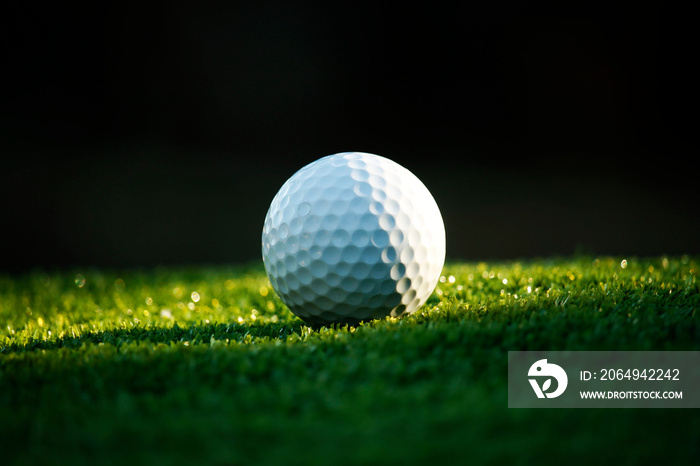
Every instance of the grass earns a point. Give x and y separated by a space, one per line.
204 365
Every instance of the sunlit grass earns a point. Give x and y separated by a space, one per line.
206 365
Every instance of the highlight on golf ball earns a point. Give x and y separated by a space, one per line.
353 237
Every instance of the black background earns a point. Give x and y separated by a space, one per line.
140 135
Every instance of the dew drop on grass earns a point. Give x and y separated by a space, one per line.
80 280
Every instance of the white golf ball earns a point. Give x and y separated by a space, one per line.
353 237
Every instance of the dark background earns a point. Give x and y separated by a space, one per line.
140 135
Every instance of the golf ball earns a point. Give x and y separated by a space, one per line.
353 237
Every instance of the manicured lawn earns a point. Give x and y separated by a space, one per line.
204 365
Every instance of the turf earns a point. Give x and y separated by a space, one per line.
204 365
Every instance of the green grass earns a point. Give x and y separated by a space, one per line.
204 365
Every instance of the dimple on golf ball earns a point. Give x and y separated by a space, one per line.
353 237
